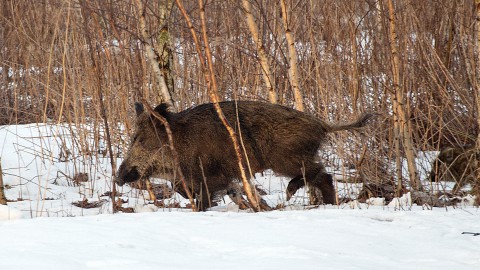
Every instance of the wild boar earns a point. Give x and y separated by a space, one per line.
272 136
455 164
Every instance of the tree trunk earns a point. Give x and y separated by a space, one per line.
401 126
398 151
292 59
152 56
164 46
267 73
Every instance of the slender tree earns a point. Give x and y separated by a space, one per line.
262 55
292 58
164 45
154 58
401 125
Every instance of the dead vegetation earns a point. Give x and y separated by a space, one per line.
83 63
86 204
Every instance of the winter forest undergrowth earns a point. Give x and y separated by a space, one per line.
71 71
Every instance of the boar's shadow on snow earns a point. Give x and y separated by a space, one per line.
273 136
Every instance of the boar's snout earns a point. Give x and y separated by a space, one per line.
127 176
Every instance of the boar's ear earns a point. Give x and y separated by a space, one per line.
163 110
139 108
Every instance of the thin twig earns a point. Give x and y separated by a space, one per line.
172 148
212 90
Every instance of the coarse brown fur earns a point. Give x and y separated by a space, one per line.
273 136
455 164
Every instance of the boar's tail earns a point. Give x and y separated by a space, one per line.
362 121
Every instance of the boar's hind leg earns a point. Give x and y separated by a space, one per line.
295 184
315 177
324 182
299 182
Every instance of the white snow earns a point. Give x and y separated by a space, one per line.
373 238
44 230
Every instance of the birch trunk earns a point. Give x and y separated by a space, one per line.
266 72
164 46
152 56
292 59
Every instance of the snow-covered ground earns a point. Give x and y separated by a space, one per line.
43 230
324 238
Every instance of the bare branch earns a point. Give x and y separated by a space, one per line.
212 90
174 152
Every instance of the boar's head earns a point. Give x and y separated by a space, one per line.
148 154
